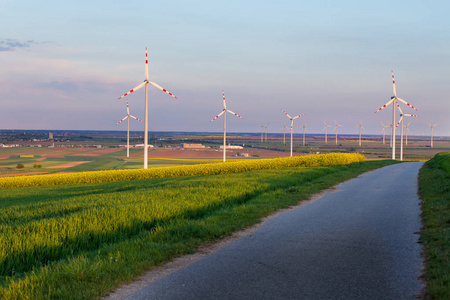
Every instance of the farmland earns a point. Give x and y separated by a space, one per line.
80 240
78 151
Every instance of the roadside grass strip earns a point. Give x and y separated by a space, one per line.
80 241
321 160
434 190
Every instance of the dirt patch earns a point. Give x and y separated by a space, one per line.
22 174
179 153
68 165
99 152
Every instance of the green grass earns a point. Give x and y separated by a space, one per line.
80 241
434 189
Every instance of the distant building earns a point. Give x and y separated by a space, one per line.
192 146
142 146
232 147
50 135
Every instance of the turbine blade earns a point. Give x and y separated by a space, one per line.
224 103
135 89
235 114
128 109
146 64
408 115
287 114
122 120
399 121
162 89
223 111
390 101
393 84
410 105
399 108
297 116
136 119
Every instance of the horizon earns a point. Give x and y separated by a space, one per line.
219 133
65 64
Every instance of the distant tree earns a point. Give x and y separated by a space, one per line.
20 166
37 166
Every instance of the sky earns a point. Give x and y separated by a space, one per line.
63 64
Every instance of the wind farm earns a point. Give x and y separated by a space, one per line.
95 197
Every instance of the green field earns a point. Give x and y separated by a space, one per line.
94 163
434 189
79 241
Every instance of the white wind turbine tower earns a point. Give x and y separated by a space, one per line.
292 123
383 131
401 134
360 126
304 131
335 128
262 132
284 132
265 126
225 124
432 126
390 136
326 131
406 133
146 83
393 101
128 127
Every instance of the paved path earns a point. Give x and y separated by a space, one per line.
359 242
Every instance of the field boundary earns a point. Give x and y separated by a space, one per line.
320 160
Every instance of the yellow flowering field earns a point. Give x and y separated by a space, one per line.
320 160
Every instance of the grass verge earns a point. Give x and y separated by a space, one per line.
98 258
434 190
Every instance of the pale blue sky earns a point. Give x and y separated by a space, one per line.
65 63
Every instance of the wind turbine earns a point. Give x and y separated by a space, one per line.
393 101
383 131
360 126
128 127
262 132
335 128
326 133
146 83
401 134
265 126
432 126
284 132
292 123
304 130
406 133
225 124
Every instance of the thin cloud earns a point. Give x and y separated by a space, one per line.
13 44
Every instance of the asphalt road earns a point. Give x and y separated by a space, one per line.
359 242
